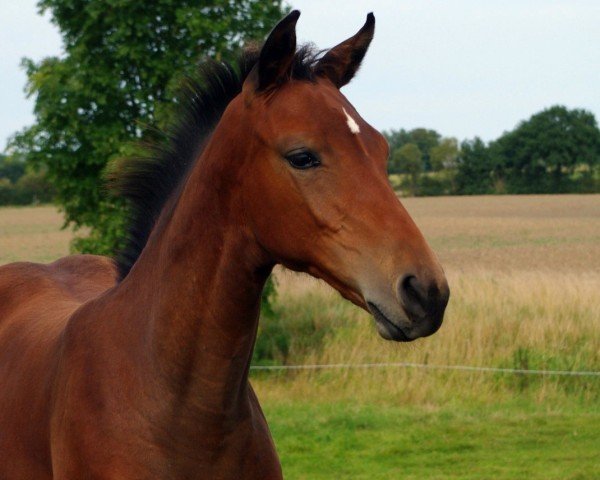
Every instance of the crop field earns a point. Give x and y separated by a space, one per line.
32 234
524 272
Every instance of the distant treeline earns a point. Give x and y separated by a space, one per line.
20 185
555 151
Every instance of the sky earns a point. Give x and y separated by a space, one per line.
465 68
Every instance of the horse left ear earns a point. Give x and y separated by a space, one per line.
341 63
277 53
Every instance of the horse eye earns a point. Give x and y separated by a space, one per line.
303 159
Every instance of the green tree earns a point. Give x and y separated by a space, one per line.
475 168
33 188
396 138
444 155
410 160
12 167
19 185
543 153
122 63
424 138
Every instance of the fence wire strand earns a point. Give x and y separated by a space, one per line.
468 368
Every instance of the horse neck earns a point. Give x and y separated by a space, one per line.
197 287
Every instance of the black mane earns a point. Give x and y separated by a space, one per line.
147 183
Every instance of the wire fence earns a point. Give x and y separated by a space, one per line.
464 368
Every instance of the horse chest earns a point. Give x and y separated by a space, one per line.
108 444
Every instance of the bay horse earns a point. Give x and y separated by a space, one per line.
137 368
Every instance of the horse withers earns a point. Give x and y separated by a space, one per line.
137 368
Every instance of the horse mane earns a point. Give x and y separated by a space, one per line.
149 181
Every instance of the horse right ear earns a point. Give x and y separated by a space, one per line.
341 63
277 54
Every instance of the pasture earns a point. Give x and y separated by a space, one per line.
524 273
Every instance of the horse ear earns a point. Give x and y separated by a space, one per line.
277 53
342 62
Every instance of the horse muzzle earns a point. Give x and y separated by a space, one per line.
417 312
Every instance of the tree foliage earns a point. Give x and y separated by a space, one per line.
423 138
410 160
122 62
19 185
554 151
12 167
475 168
444 155
543 153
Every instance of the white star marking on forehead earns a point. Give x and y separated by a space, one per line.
352 125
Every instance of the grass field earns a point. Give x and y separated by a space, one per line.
525 279
370 442
32 234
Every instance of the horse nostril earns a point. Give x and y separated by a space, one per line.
413 296
423 299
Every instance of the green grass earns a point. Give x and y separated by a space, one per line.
508 441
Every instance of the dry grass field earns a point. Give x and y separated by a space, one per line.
499 233
521 320
32 234
507 233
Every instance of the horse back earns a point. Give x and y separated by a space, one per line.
36 302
